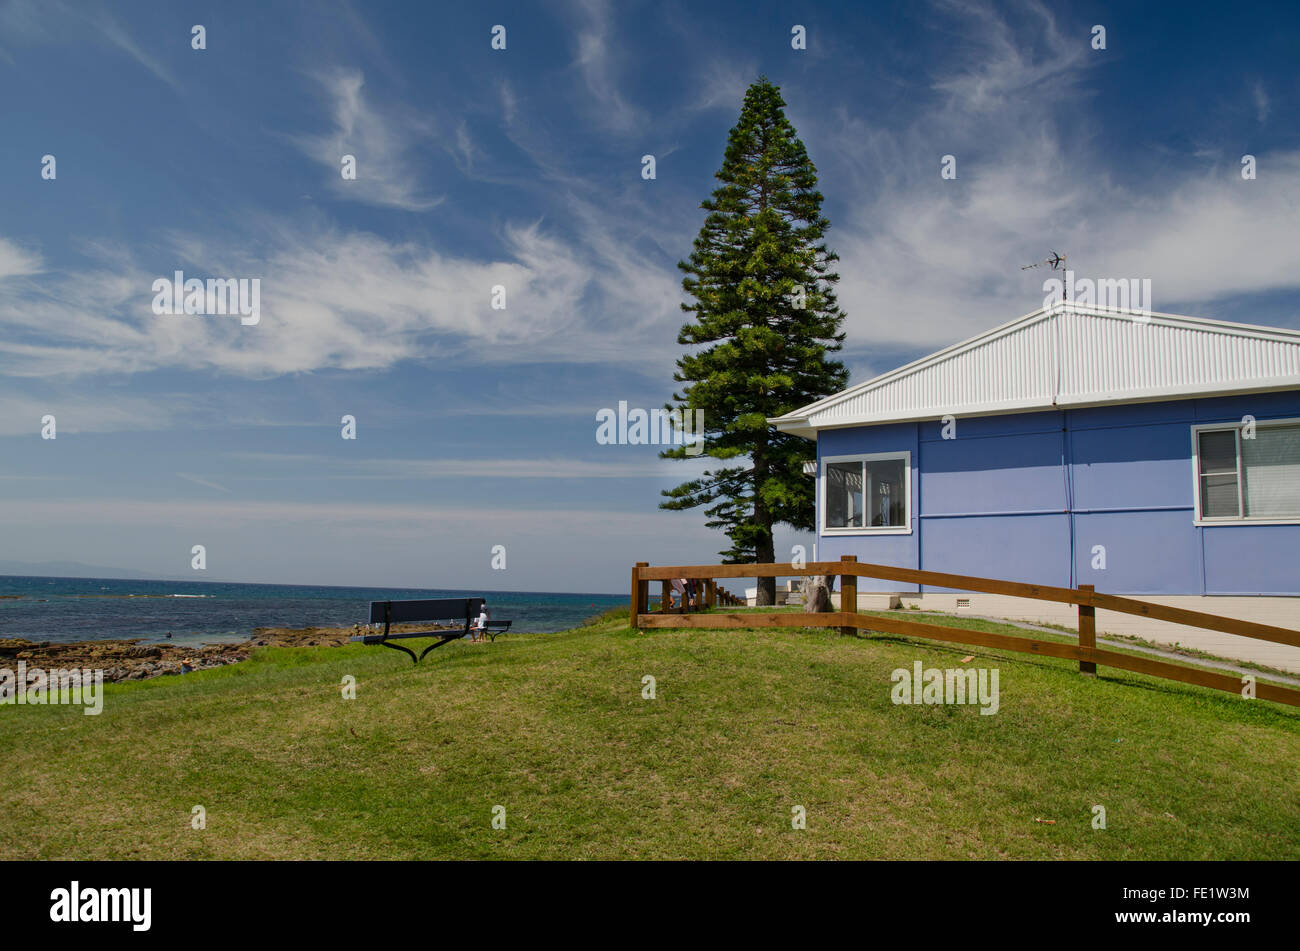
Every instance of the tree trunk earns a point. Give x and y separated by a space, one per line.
765 549
817 594
766 593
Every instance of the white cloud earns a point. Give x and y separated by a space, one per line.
722 85
385 142
331 467
116 34
597 60
21 413
355 301
371 519
927 262
54 21
198 480
509 102
1261 100
16 261
924 262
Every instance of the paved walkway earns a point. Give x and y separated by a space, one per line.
1137 648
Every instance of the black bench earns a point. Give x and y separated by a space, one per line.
439 609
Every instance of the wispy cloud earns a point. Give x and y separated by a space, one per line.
928 261
55 21
16 261
332 467
379 519
115 33
1262 104
21 412
597 59
355 301
384 141
206 483
721 84
509 102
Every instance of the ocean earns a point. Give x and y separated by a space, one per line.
83 609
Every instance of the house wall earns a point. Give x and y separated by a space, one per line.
1026 497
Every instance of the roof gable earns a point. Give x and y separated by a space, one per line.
1067 356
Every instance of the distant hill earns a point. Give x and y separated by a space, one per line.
77 569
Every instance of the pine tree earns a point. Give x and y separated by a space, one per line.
766 317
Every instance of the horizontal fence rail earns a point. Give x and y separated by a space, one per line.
682 612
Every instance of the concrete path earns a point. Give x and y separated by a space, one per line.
1138 648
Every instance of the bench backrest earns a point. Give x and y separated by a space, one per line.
436 609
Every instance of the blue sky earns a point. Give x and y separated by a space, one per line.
521 167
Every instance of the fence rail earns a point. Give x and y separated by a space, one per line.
849 620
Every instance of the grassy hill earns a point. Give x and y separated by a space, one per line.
746 725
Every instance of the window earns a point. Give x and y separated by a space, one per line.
867 493
1248 474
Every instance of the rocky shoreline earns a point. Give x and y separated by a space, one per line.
134 659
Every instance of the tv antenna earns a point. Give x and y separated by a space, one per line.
1056 262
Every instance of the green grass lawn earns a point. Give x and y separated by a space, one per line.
746 725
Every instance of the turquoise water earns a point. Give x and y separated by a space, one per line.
77 609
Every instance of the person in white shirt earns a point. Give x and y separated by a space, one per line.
480 625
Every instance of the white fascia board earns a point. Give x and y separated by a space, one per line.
798 426
808 427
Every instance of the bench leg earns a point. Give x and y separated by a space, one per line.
405 650
446 640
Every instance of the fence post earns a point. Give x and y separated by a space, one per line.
665 587
1087 630
640 594
849 596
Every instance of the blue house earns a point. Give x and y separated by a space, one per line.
1146 454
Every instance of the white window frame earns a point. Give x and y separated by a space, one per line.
1198 518
904 529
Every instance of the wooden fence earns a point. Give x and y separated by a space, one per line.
849 620
708 594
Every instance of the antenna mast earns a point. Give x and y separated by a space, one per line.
1056 262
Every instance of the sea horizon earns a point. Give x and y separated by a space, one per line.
62 609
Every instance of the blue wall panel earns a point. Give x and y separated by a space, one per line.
1010 424
1130 487
898 437
1261 406
1146 552
993 474
1030 548
1133 414
896 550
1133 467
1252 559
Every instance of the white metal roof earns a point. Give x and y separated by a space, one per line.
1067 356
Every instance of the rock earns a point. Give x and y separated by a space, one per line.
129 659
11 646
817 594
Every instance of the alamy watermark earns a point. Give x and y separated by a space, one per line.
216 297
1128 295
76 903
639 427
36 687
973 685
